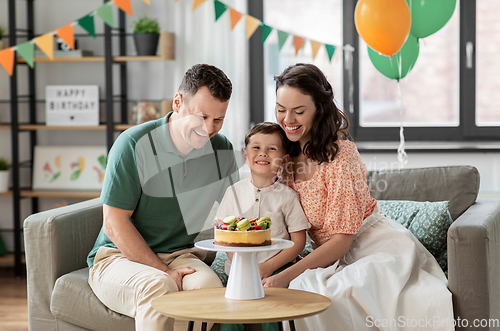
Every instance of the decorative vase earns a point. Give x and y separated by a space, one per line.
3 44
146 44
4 180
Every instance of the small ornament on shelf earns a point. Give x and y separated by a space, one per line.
144 111
4 175
3 43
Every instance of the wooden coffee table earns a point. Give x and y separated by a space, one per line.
211 305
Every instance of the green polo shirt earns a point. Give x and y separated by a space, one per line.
171 194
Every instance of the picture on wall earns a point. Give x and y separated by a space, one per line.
69 167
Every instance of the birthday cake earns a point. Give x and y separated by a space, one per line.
241 232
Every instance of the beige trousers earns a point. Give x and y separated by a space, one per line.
128 287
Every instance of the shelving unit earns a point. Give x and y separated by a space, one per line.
110 125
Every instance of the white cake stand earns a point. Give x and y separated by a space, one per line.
244 281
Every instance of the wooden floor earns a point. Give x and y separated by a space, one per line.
13 302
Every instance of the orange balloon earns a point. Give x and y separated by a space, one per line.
383 24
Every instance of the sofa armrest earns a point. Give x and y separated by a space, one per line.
57 241
474 262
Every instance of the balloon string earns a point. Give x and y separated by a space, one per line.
348 59
402 156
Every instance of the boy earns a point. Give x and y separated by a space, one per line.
263 195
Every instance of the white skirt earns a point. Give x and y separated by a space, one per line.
386 281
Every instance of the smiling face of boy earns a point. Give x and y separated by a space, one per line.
265 155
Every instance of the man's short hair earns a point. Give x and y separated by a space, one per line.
267 128
213 78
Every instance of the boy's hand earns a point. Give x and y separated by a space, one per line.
276 281
265 270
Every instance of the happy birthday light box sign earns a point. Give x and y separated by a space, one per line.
72 105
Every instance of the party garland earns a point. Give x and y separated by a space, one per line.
45 43
253 23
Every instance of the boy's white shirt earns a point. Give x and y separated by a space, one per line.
278 201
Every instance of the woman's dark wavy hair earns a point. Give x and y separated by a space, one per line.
330 123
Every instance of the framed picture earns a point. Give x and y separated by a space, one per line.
69 167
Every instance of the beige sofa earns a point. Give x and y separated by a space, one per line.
57 243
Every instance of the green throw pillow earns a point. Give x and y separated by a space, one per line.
427 221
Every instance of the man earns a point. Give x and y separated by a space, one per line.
161 180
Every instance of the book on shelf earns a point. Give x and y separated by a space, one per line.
72 53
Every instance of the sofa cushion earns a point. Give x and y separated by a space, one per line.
457 184
427 221
73 301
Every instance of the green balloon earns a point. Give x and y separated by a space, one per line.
428 16
405 58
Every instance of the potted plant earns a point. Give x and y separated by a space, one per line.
146 35
2 42
4 175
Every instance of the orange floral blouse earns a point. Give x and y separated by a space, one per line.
337 198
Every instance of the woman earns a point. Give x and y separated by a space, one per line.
374 270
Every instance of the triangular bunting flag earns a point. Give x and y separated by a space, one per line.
87 23
315 48
220 9
235 17
7 60
27 51
252 25
330 49
266 31
298 42
46 44
282 36
197 3
67 34
106 14
125 6
147 1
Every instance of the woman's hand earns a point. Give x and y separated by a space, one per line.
265 270
178 273
278 280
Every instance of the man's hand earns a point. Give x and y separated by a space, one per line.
178 274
